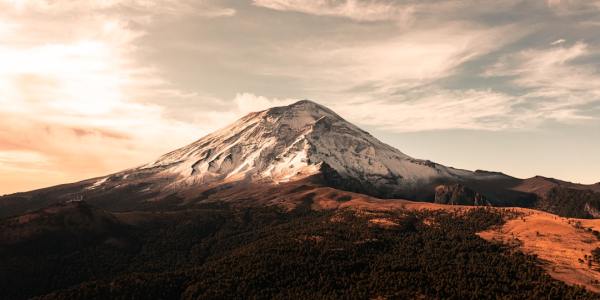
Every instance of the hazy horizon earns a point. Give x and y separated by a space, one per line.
89 88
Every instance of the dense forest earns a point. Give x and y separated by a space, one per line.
571 203
224 253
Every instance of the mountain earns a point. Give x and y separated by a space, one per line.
301 142
289 143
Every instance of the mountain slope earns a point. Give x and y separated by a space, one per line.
293 142
563 198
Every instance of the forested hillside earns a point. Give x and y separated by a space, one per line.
223 253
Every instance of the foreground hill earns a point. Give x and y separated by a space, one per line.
327 244
302 142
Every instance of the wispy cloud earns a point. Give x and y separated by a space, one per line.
434 109
553 80
410 59
555 88
352 9
572 6
144 8
399 12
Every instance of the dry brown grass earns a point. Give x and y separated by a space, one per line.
558 242
383 222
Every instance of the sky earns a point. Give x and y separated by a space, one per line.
89 88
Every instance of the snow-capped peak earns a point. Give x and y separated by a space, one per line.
291 142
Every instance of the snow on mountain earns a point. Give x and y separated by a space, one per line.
293 142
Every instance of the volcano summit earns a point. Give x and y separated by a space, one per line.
304 139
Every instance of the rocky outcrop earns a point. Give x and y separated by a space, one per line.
592 211
458 194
